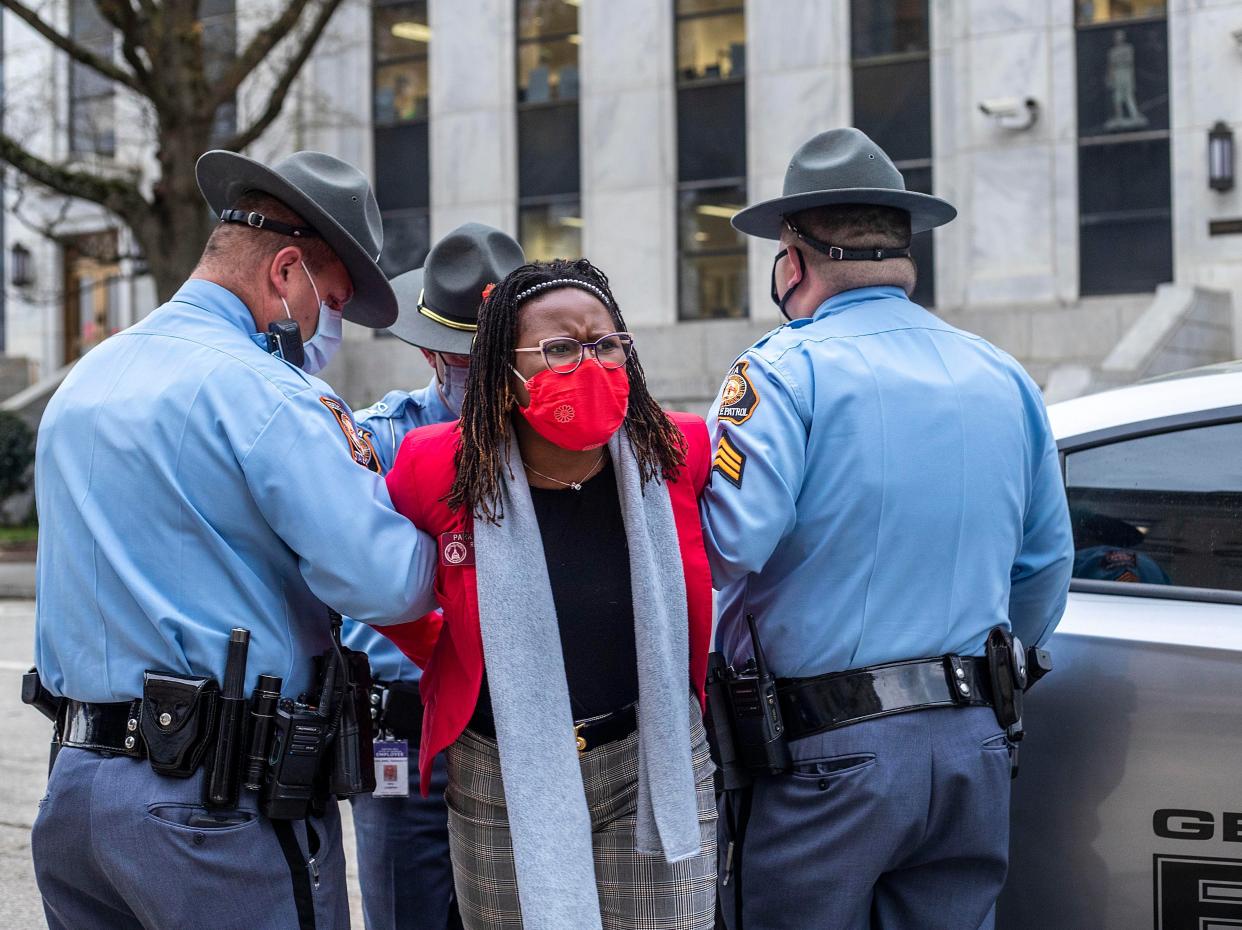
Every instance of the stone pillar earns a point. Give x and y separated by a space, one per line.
473 127
797 84
1014 240
1203 59
629 153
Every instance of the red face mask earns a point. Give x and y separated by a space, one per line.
580 410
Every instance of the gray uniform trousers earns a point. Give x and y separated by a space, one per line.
898 823
114 850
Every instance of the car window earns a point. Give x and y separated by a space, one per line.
1163 509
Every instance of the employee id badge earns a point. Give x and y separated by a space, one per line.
392 769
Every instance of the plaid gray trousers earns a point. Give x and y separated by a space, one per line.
636 892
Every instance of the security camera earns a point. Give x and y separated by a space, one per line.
1013 113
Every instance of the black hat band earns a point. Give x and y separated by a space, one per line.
464 324
259 221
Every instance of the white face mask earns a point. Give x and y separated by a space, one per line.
323 345
452 382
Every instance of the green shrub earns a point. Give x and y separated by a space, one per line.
17 451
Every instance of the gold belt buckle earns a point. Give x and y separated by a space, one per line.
579 738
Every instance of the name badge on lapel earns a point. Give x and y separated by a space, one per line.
456 549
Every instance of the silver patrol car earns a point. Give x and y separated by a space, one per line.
1127 812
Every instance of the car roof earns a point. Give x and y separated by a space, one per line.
1183 393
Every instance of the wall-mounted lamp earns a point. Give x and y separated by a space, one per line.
1012 113
21 268
1220 157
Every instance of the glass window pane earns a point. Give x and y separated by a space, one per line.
713 254
548 150
711 47
888 27
1103 11
1124 256
92 125
547 71
1163 509
401 31
401 92
85 21
407 238
551 230
708 6
546 18
401 179
1123 79
892 104
711 132
1123 178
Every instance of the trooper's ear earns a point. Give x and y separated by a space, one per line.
282 265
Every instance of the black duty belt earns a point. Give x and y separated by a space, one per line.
590 733
397 708
111 728
827 702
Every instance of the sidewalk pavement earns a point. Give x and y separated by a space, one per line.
17 580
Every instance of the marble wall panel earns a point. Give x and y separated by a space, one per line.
625 235
472 137
989 16
789 35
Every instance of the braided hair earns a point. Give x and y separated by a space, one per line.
484 448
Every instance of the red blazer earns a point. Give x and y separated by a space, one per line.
450 649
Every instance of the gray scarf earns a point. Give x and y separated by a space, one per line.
548 816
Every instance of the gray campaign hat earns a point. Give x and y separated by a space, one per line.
332 197
837 167
439 303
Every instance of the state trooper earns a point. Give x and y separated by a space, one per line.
191 480
885 489
403 854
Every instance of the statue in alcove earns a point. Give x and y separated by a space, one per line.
1119 77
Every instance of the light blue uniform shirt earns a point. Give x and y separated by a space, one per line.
885 487
188 482
387 422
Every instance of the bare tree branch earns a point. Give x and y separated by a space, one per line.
263 42
71 48
121 197
280 91
134 38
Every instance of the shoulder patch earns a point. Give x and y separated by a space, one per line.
360 447
729 460
739 398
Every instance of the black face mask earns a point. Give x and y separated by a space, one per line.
783 301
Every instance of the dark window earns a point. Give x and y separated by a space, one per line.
711 157
1163 509
92 113
711 131
713 253
551 230
548 150
889 27
1124 192
549 173
890 52
400 37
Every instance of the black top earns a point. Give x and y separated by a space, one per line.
589 567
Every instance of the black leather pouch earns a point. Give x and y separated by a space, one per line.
1006 689
353 759
178 719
